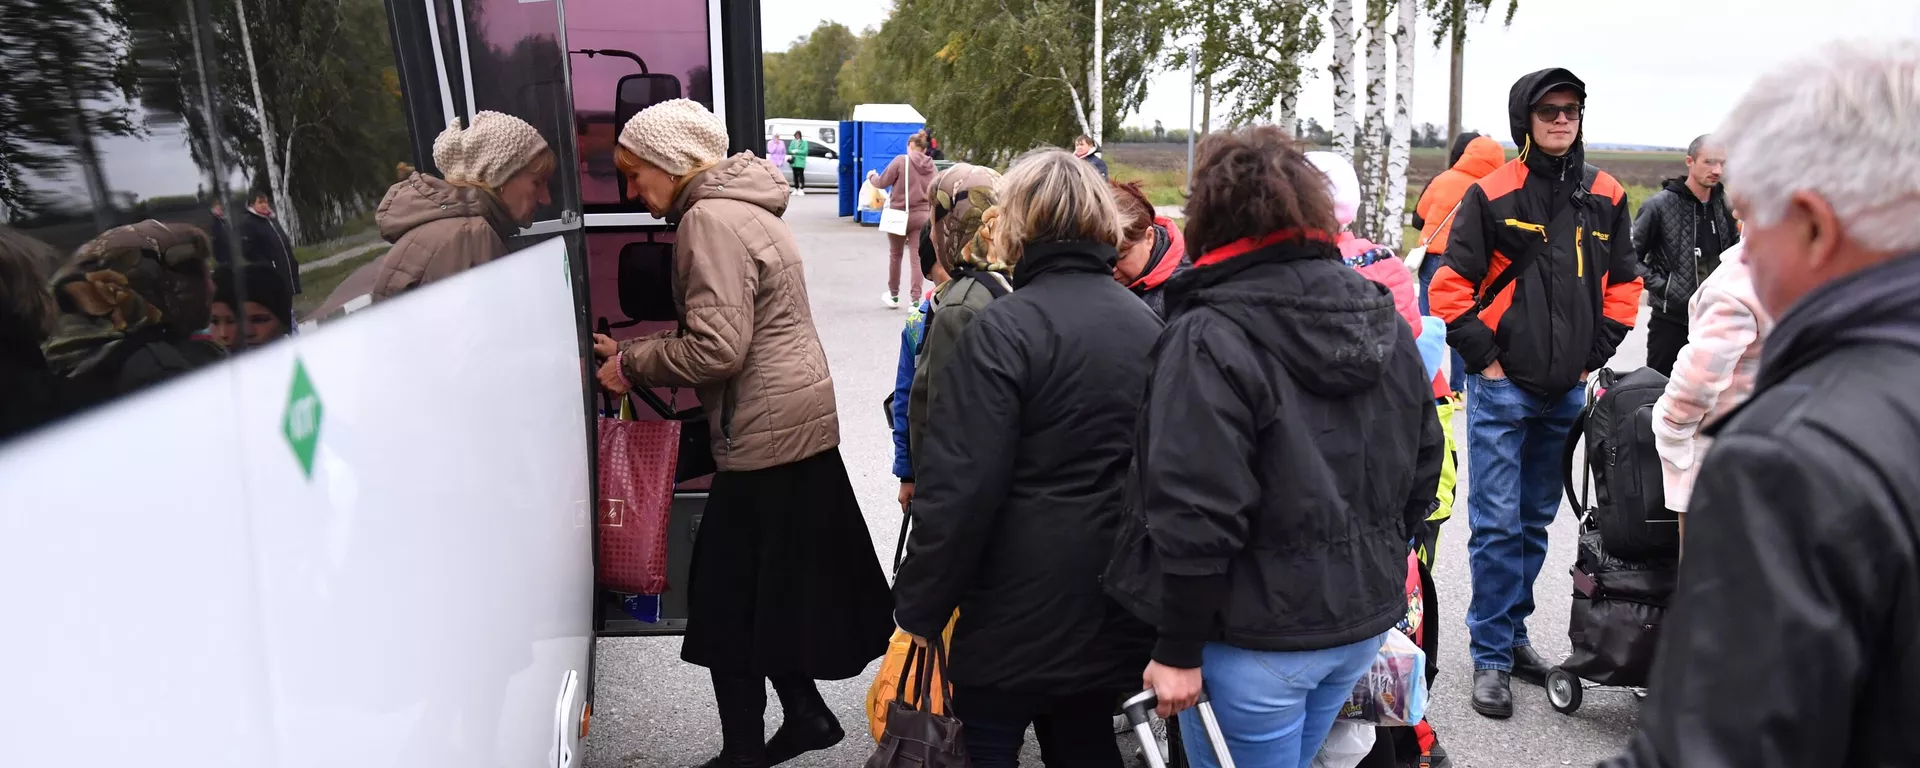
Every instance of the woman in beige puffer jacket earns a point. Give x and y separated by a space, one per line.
784 584
493 177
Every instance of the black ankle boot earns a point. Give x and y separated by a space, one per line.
742 701
1492 694
808 724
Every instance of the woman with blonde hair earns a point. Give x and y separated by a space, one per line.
494 176
1019 493
785 585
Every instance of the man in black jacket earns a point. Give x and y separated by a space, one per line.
263 241
1538 289
1680 233
1791 640
1018 483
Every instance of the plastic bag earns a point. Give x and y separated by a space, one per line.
1394 692
871 197
1347 744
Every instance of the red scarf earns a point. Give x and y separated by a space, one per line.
1247 245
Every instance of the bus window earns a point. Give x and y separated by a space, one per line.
671 38
168 231
519 68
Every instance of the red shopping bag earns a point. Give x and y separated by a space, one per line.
636 493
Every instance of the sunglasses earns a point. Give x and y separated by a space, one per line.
1549 112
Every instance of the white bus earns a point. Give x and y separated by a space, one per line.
370 543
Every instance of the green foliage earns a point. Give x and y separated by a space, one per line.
997 77
63 61
804 81
1448 15
1250 49
868 77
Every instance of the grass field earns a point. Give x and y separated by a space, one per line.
1162 170
1645 169
317 285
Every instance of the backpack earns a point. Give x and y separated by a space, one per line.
1629 504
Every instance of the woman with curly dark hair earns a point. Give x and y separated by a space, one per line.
1286 454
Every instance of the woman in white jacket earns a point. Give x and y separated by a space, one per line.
1714 373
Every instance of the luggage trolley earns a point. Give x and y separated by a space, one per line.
1139 711
1618 604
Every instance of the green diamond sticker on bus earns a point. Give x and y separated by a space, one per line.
301 424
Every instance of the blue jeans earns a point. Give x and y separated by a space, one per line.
1514 441
1275 707
1456 378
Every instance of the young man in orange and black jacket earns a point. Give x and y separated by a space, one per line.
1538 288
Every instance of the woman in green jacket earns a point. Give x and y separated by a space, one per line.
797 157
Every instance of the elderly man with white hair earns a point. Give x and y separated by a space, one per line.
1795 636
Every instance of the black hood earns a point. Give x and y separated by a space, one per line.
1460 143
1037 259
1874 305
1331 327
1520 100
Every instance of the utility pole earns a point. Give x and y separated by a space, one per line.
1193 77
1099 85
1457 84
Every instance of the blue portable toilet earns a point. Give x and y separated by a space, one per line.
876 135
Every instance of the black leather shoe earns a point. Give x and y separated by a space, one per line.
727 759
1528 666
1492 694
806 734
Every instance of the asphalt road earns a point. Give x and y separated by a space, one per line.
654 711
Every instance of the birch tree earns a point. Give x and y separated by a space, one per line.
1399 152
276 178
1369 153
1341 71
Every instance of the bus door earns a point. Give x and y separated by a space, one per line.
620 63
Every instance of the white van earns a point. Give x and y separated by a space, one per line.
823 156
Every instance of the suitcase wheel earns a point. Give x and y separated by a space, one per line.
1564 691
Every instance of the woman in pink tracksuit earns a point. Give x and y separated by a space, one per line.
1714 372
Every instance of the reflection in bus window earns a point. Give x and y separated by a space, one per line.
519 69
671 38
267 308
33 394
129 303
126 125
496 174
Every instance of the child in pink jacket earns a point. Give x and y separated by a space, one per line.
1714 373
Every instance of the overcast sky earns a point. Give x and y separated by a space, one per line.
1657 71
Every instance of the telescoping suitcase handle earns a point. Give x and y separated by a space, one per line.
1139 711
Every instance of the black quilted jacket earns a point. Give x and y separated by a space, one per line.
1663 236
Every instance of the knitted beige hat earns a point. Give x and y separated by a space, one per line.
497 146
678 136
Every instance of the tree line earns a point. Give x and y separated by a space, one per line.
996 77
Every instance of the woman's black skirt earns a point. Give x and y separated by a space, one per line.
784 578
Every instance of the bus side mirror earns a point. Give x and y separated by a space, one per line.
637 92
